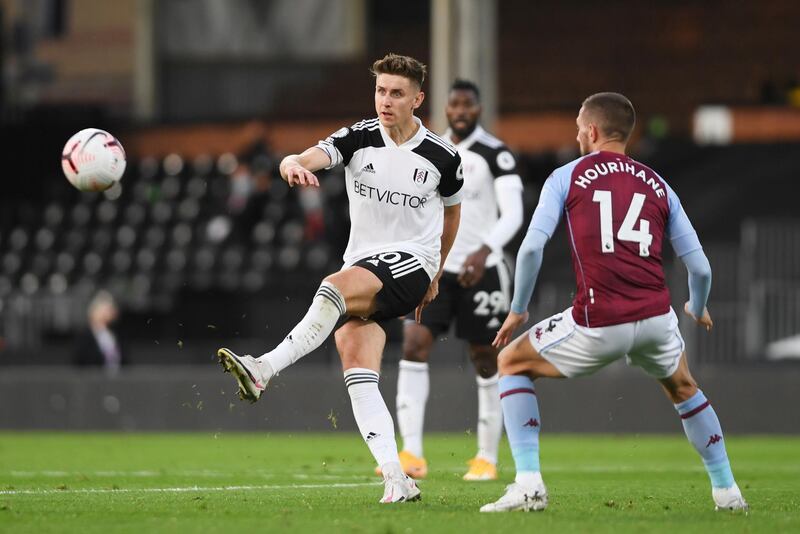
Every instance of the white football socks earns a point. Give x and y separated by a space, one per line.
372 416
312 330
413 384
490 418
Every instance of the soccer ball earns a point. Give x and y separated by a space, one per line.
93 160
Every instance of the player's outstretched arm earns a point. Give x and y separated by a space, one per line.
529 261
699 287
687 247
298 169
529 258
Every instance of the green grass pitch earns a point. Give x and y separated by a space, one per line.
61 482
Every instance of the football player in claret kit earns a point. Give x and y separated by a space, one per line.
618 213
474 291
403 187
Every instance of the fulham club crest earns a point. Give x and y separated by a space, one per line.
420 176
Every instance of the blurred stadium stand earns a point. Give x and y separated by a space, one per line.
183 265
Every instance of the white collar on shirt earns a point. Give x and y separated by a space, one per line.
412 143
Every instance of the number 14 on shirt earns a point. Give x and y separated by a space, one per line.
626 232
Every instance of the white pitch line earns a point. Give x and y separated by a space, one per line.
52 473
151 474
190 489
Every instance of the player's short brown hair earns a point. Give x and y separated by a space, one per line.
405 66
614 113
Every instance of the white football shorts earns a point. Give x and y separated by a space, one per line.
654 344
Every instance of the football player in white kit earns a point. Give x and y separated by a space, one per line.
474 291
403 187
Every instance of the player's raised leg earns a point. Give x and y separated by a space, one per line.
350 291
490 415
519 363
360 344
413 385
704 431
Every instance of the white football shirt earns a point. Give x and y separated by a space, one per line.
491 180
396 193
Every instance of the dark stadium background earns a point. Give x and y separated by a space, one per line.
193 98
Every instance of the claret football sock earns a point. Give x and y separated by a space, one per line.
413 384
372 416
702 427
326 308
490 418
522 422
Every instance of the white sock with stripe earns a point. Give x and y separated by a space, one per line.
372 417
490 418
413 384
326 308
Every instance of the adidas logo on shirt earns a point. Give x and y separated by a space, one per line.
368 168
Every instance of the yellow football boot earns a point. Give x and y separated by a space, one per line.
481 469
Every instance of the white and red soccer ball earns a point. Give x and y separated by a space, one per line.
93 160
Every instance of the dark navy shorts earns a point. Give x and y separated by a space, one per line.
404 279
